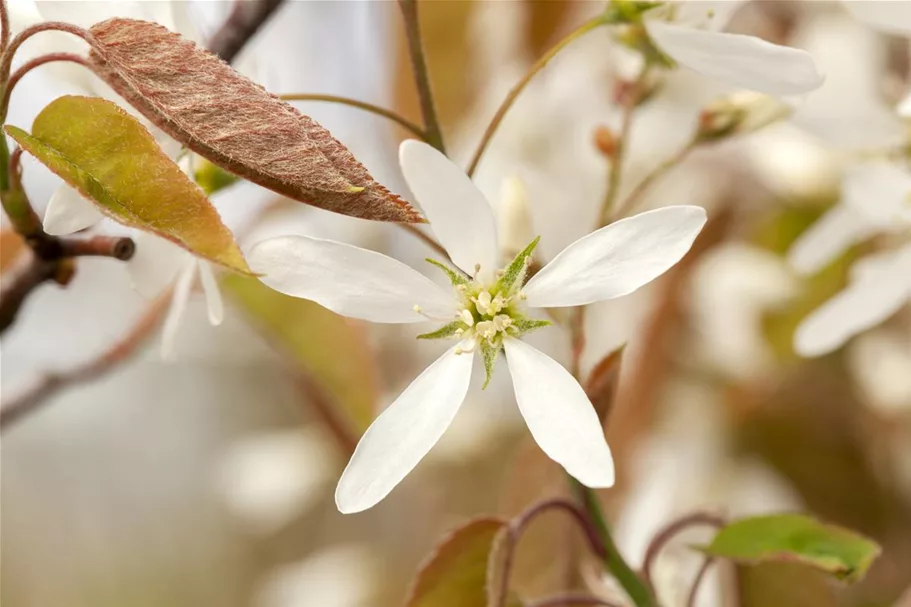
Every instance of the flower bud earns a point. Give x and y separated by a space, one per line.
515 227
605 141
740 113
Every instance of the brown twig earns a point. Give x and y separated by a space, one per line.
99 246
432 129
669 532
119 353
16 289
28 66
423 236
568 600
518 525
697 581
362 105
656 175
4 25
245 20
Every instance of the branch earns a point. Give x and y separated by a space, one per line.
667 534
517 528
15 292
113 357
432 130
245 20
363 105
516 90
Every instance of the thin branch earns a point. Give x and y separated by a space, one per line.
423 236
121 248
697 582
518 526
245 20
363 105
32 64
569 600
669 532
432 130
516 90
17 289
652 178
630 99
113 357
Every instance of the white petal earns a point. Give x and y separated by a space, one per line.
904 107
68 212
890 16
559 415
839 228
349 280
617 259
182 290
743 61
214 303
879 291
155 264
878 190
459 214
403 434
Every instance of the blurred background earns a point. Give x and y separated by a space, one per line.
208 480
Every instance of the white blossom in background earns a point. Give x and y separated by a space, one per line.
875 200
485 311
888 16
880 360
341 576
270 479
157 264
690 33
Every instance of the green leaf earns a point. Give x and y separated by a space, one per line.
331 351
796 538
456 277
521 326
212 178
455 574
489 353
445 331
108 156
514 275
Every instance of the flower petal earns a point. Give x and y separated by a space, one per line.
559 415
904 107
459 215
349 280
877 293
68 212
890 17
617 259
742 61
403 434
214 303
155 264
179 300
839 228
878 190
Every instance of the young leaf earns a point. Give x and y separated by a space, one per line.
455 575
105 154
796 538
202 102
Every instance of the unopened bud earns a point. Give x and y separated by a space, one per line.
605 141
742 112
515 227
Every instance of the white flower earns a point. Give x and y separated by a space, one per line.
485 311
880 286
693 38
889 16
156 264
874 199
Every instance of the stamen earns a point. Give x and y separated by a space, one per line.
418 310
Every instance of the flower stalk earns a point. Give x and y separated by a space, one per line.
433 133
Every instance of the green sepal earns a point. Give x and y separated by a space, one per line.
520 327
489 353
456 277
514 275
627 11
444 331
